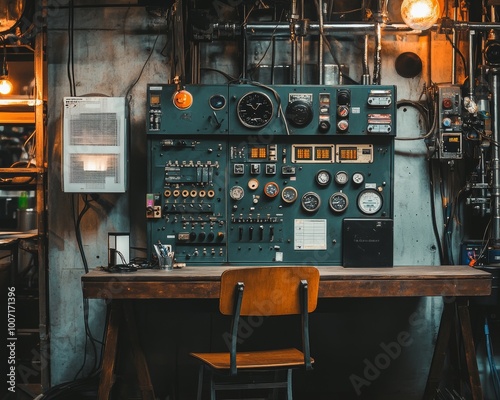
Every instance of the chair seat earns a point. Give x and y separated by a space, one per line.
285 358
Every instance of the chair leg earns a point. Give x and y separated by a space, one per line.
200 382
289 384
212 386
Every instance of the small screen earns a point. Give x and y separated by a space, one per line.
348 153
303 153
154 99
323 153
258 152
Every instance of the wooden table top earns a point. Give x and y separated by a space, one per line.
335 282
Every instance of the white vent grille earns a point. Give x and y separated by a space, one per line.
94 145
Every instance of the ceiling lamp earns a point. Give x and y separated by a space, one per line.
5 84
420 14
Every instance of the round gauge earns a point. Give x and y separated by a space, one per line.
236 193
338 202
217 102
255 110
310 201
289 194
271 189
369 201
323 177
299 113
358 178
341 177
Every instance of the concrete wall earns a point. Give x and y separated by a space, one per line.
117 51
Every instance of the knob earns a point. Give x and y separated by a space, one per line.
210 236
220 235
271 233
342 125
261 232
250 232
343 111
192 236
202 236
324 126
240 233
447 122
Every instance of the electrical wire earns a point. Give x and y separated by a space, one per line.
70 65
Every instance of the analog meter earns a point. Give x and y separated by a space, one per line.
370 201
236 193
338 202
310 201
271 189
289 194
323 177
341 177
255 110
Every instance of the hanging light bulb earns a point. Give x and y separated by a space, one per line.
420 14
5 84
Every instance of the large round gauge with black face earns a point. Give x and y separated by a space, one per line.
310 201
255 110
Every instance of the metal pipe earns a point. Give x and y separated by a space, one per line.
472 33
377 56
478 26
366 70
495 156
293 45
321 61
453 49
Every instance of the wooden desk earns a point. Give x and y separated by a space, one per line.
456 283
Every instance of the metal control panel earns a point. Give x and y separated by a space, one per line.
273 180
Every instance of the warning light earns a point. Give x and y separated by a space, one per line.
183 99
348 153
303 153
258 152
323 153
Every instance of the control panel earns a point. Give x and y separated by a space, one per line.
248 174
450 121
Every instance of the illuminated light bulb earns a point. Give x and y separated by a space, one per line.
420 14
5 86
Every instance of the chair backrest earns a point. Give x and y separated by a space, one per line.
269 290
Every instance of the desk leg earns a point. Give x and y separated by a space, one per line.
141 366
470 350
449 321
109 356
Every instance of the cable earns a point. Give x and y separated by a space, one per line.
495 377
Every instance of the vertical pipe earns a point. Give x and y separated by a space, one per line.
366 69
495 157
293 44
320 44
472 35
378 51
453 49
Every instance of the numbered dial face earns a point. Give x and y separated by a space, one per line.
370 201
358 178
310 201
289 194
271 189
236 193
341 177
323 177
255 110
338 202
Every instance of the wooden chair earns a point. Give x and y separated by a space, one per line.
263 292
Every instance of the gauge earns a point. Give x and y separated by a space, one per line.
217 102
370 201
271 189
341 177
338 202
289 194
236 193
310 201
323 177
358 178
299 113
255 110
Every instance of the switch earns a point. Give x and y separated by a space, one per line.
271 233
261 232
250 233
240 233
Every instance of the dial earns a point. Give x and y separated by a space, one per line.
358 178
323 177
217 102
289 194
341 177
338 202
310 201
299 113
271 189
255 110
370 201
236 193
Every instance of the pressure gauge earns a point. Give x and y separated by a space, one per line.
310 201
271 189
338 202
323 177
289 194
341 177
358 178
255 110
236 193
370 201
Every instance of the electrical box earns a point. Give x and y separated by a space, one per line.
94 156
450 122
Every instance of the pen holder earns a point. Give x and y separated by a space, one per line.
165 256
